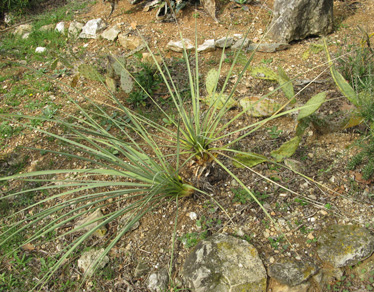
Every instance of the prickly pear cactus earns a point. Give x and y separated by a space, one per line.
127 83
89 72
211 81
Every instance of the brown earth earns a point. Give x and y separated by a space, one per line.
302 214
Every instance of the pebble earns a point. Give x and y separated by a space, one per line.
192 215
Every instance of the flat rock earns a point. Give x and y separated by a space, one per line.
207 46
90 222
297 19
111 33
87 260
275 286
225 42
75 28
47 27
223 263
241 43
91 28
268 47
130 42
344 245
22 29
291 272
177 46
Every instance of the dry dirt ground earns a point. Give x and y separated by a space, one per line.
336 195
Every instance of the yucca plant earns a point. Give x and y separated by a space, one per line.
139 164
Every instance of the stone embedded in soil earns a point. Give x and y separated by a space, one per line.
177 46
297 19
95 218
224 42
141 269
91 28
291 272
158 281
22 29
207 46
111 33
326 276
87 260
343 245
40 50
47 27
268 48
60 27
241 43
130 42
365 270
223 263
75 28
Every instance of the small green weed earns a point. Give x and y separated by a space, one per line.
242 197
273 132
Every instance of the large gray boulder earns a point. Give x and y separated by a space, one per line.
297 19
224 263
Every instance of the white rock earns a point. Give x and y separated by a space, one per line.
178 45
22 29
60 27
91 28
86 261
40 49
192 215
111 34
26 35
207 46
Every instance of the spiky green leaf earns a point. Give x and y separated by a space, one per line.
287 149
312 105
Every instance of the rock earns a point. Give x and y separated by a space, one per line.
129 42
207 46
147 58
294 165
26 35
87 260
268 48
8 18
325 277
91 28
111 34
75 28
239 43
47 27
210 7
95 218
178 45
141 269
60 27
22 29
224 42
40 50
223 263
344 245
158 282
291 272
297 19
275 286
259 106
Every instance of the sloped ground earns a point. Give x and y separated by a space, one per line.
347 198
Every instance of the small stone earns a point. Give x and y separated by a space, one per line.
47 27
40 50
224 42
75 28
207 46
60 27
22 29
241 43
141 269
111 34
177 46
192 215
130 42
87 260
158 282
310 236
91 28
291 272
